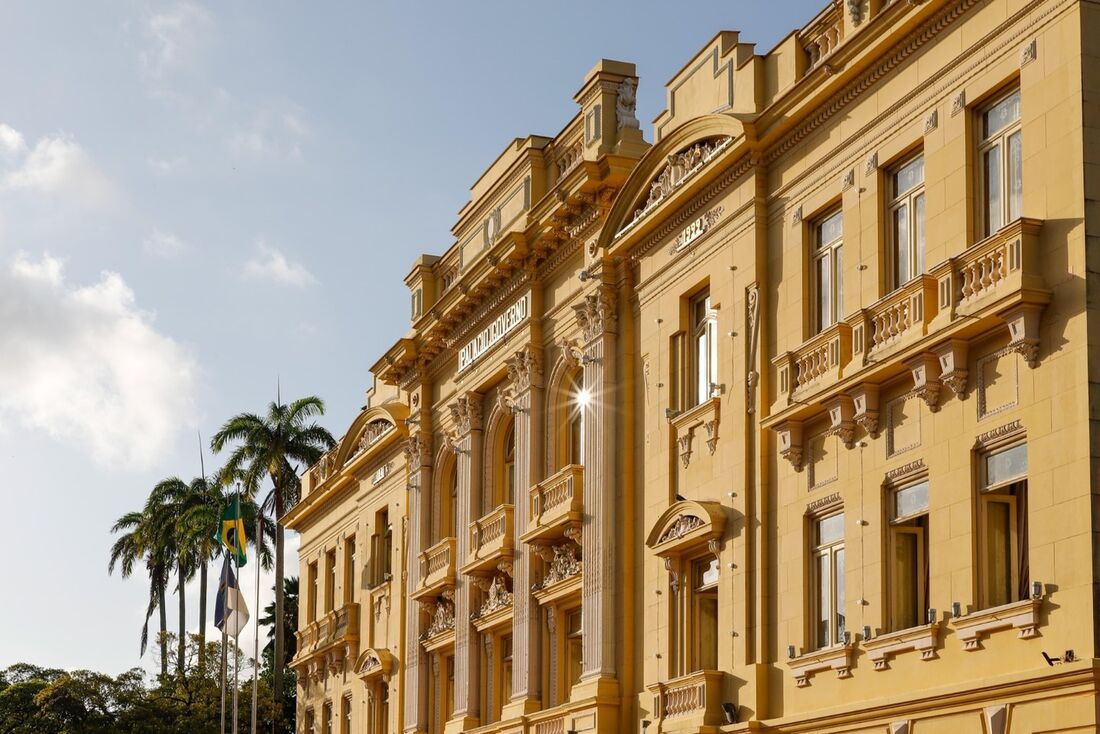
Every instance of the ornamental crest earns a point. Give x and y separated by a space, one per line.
563 564
497 597
443 618
683 525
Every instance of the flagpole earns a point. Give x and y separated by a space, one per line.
225 650
236 638
256 612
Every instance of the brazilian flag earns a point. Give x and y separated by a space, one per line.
231 532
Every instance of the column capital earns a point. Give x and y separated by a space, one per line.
597 314
466 413
418 451
525 369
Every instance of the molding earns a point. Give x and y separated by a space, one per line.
839 658
1022 616
922 639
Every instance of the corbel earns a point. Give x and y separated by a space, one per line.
790 442
865 403
925 369
1023 331
842 424
952 359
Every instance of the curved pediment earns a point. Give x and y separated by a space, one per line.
372 428
686 525
374 662
676 160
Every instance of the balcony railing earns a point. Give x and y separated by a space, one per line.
555 504
492 538
990 279
699 695
437 568
822 35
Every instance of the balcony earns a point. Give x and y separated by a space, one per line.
694 700
998 281
491 541
437 569
329 641
555 505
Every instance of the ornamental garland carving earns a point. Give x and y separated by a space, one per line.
596 314
374 431
443 618
752 313
497 597
680 168
563 561
680 527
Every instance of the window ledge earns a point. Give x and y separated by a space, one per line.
923 639
1019 615
838 658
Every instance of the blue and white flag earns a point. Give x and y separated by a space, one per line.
230 611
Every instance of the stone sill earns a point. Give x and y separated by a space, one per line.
838 658
1020 615
922 639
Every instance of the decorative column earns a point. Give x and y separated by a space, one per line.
466 442
597 318
526 400
419 471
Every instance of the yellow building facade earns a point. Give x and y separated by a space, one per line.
777 422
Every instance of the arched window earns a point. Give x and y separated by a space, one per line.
443 525
510 465
578 401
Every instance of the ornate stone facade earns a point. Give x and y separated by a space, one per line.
556 516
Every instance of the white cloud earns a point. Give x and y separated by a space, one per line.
164 244
57 166
272 265
86 366
271 135
173 37
166 166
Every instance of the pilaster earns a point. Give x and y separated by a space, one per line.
419 467
466 441
597 317
526 398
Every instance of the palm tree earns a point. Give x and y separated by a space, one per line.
167 505
196 526
290 619
275 446
133 546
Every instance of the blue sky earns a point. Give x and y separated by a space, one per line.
198 199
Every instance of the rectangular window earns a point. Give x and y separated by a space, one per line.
704 575
311 723
907 570
312 590
505 673
449 689
574 648
1000 152
1002 518
345 715
827 581
704 357
828 271
382 548
326 718
350 581
907 221
330 576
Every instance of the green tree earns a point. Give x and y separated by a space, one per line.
136 544
290 626
275 447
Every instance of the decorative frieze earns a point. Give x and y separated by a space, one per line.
905 470
683 525
695 230
680 168
989 438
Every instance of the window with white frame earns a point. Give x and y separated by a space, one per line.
828 270
1002 526
906 212
827 581
704 358
1001 156
907 555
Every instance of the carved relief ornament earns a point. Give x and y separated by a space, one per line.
466 413
597 314
525 369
